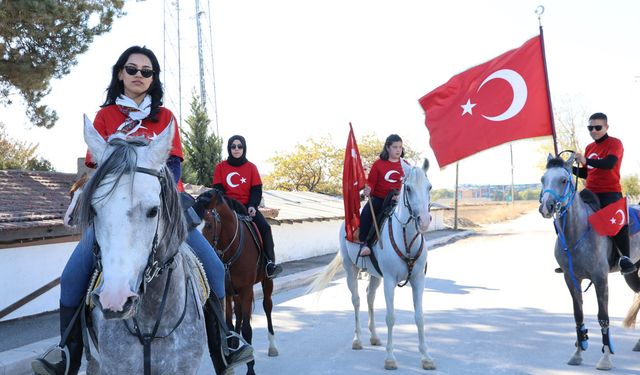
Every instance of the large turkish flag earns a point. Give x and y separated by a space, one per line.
499 101
353 181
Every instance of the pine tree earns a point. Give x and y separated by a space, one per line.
202 149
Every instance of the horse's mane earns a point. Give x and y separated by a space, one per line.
556 162
123 160
233 204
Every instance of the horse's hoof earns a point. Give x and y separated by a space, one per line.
273 352
390 365
356 345
428 365
375 341
604 363
575 361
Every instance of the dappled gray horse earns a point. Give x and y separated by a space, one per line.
148 317
402 256
581 253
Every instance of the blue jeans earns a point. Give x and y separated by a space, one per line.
76 274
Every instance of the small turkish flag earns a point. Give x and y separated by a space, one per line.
499 101
352 182
609 220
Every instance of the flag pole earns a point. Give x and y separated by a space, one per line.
375 223
539 11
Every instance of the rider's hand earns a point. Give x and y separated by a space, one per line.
252 211
581 159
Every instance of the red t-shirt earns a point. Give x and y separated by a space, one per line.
384 176
109 118
237 181
604 180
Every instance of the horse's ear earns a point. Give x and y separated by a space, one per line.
161 145
406 167
425 165
94 141
571 159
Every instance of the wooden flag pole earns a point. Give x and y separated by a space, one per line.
375 224
539 11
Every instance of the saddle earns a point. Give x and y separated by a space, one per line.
253 229
381 217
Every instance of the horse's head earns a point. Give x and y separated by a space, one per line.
557 186
132 204
415 196
219 211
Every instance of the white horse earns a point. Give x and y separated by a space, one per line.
401 254
148 316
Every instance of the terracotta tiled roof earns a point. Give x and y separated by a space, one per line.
30 200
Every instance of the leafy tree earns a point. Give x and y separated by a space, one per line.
40 40
202 149
631 185
20 155
438 194
311 166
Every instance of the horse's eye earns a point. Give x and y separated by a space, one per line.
564 181
153 212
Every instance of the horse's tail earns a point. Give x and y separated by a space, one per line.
321 281
630 320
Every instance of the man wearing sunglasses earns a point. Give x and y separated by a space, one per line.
600 165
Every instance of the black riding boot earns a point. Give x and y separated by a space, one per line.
621 241
223 357
73 343
272 269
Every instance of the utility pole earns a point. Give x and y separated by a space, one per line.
513 197
203 93
455 202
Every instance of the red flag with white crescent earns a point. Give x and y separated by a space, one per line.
353 181
499 101
609 220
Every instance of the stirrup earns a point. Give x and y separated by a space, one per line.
66 356
243 345
360 251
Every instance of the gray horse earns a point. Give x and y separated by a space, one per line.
582 253
147 315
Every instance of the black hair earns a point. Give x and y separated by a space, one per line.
116 87
236 162
598 116
384 154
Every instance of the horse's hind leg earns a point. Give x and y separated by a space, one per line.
417 289
374 283
602 292
267 305
578 316
352 283
245 321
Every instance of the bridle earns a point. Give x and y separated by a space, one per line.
413 217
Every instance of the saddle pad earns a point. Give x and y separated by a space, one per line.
363 263
634 220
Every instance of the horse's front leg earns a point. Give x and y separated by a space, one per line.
602 292
389 291
245 318
417 289
581 343
352 283
374 283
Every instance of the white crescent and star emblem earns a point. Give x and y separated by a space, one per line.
592 155
387 176
622 218
229 182
519 87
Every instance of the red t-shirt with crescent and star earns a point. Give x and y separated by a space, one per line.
385 176
604 180
109 118
237 181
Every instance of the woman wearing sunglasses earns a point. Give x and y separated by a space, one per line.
239 179
133 107
601 168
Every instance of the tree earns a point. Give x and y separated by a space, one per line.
631 185
20 155
311 166
40 40
202 149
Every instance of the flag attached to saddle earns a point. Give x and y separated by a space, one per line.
353 181
609 220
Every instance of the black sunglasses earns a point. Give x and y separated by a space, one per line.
132 71
594 127
234 146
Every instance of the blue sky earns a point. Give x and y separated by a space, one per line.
290 70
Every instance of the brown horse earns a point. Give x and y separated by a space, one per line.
227 229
